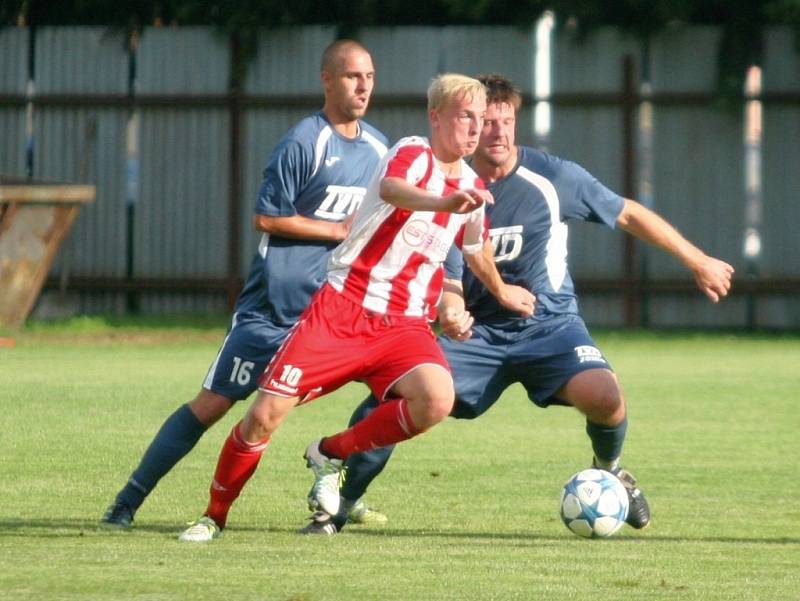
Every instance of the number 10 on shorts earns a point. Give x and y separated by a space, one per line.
291 375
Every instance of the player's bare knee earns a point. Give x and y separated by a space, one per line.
441 408
430 395
608 407
266 414
208 407
434 409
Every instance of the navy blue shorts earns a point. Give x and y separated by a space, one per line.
540 357
247 349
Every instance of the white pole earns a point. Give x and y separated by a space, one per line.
644 159
542 78
753 133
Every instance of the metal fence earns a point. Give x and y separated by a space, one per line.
176 152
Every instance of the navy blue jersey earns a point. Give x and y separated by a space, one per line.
529 234
316 173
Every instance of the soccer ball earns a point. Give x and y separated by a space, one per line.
594 504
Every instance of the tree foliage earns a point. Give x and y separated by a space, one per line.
743 22
642 18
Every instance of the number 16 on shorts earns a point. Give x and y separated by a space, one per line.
242 371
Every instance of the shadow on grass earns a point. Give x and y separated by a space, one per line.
54 528
71 527
639 537
66 527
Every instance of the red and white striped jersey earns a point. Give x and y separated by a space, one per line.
391 261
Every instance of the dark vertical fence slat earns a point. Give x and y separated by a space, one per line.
235 167
628 106
132 179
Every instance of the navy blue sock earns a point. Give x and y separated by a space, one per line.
607 441
362 468
177 436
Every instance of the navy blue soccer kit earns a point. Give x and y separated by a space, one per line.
529 234
313 172
317 173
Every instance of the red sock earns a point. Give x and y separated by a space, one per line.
389 423
237 461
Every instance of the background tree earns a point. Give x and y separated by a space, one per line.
743 23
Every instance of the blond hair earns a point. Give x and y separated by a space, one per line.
448 86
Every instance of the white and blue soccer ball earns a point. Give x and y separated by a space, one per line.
594 503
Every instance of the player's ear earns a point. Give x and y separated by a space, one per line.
433 118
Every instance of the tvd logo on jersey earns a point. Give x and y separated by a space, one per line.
339 202
507 242
588 353
417 234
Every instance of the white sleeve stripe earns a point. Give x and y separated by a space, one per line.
556 259
263 245
374 142
319 148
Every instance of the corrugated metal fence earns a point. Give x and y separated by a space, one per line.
176 154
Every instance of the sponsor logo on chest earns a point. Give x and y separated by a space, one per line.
426 238
507 242
340 201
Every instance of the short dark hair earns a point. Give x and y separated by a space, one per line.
500 90
331 55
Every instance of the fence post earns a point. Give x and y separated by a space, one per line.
131 177
234 170
629 102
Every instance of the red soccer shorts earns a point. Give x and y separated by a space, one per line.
337 341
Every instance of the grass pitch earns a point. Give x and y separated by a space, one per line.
713 438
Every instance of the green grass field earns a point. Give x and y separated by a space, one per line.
714 438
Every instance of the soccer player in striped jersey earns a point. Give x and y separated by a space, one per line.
369 322
314 180
551 353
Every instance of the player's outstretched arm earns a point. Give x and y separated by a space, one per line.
712 275
399 193
466 201
515 298
303 228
